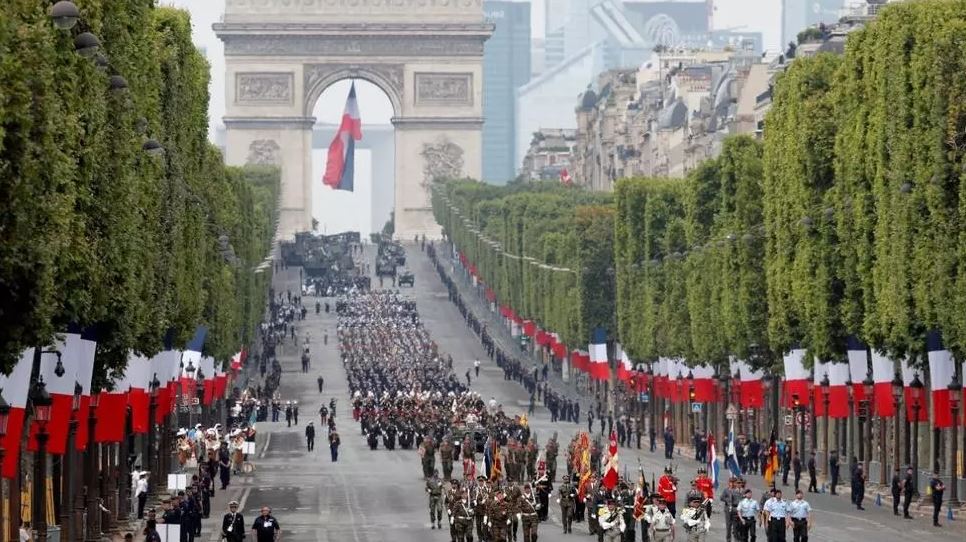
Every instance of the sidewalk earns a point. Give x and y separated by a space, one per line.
502 337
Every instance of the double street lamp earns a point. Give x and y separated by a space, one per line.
897 389
825 386
955 393
915 388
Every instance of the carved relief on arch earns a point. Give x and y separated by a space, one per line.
263 152
317 77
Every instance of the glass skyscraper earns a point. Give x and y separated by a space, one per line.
506 67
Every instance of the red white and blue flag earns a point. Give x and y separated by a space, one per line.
340 166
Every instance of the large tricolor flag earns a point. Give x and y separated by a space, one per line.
941 370
838 391
712 461
752 392
858 355
59 367
625 369
340 165
704 382
14 387
796 378
611 477
599 367
883 371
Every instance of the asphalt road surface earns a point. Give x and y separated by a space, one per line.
374 496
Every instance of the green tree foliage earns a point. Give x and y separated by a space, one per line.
539 227
97 233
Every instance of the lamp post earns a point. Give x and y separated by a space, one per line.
4 419
190 371
724 384
955 394
805 407
652 406
868 387
149 455
896 397
850 423
66 505
41 402
824 385
916 392
200 394
93 530
681 430
692 419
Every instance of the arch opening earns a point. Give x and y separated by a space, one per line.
369 206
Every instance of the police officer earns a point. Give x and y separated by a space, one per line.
567 494
747 516
833 465
812 474
434 488
938 488
661 522
310 436
908 490
776 517
799 511
233 524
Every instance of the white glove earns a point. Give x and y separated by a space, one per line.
519 517
558 501
486 520
451 520
508 522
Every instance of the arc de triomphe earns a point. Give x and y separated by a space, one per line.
427 55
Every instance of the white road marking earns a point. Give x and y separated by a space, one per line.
268 440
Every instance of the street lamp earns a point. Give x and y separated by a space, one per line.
724 384
825 386
897 389
93 531
916 391
69 479
87 44
868 387
955 393
65 15
41 402
200 393
152 147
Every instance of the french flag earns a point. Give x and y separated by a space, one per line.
76 351
908 375
704 390
752 392
838 391
625 370
796 378
340 165
883 371
15 387
858 366
941 370
599 366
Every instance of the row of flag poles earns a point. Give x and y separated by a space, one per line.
666 376
68 366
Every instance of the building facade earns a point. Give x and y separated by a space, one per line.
506 67
797 15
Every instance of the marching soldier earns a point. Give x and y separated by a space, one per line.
434 488
550 452
747 516
567 495
706 487
498 517
461 514
543 489
428 453
446 458
775 514
530 456
626 507
730 497
512 497
799 511
481 497
661 522
668 488
527 507
233 524
611 522
696 521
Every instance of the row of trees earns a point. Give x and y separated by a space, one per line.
96 230
543 249
847 220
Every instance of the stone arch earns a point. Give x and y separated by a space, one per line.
318 77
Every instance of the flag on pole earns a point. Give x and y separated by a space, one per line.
610 471
712 462
771 464
599 363
340 165
732 457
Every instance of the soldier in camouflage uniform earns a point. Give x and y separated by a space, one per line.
530 456
550 452
481 497
498 517
429 457
434 488
460 514
446 458
512 499
527 508
567 496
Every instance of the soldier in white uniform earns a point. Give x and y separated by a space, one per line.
696 520
661 522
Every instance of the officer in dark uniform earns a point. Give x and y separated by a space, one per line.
567 495
233 524
266 527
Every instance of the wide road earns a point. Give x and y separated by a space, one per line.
378 495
